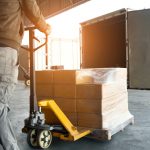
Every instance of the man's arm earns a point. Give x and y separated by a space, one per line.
32 11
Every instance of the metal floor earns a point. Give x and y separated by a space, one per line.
134 137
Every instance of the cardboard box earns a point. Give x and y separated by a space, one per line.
82 76
44 77
66 105
44 90
88 106
89 120
114 112
51 118
64 91
97 91
64 76
88 91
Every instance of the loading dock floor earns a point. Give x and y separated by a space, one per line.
134 137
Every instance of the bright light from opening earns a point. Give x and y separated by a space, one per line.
64 46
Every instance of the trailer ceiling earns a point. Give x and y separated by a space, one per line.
50 8
53 7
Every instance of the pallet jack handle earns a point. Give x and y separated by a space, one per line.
32 49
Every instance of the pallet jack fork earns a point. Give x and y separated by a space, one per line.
39 134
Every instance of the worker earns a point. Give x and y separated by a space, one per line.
11 33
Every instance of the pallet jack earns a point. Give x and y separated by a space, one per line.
39 133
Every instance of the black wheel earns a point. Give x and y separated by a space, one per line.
44 139
32 138
27 82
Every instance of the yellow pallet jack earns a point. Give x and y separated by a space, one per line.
39 134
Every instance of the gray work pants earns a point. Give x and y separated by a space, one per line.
8 79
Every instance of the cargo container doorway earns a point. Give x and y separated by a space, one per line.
103 42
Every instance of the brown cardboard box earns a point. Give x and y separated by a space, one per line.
52 119
90 76
44 90
64 76
66 105
88 106
103 113
98 91
88 91
82 76
44 77
114 111
90 120
64 91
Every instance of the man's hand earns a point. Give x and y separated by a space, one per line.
48 30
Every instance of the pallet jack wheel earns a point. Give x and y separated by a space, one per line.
32 138
27 82
44 139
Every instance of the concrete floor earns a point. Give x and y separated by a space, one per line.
134 137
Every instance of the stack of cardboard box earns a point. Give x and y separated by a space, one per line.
65 92
93 98
44 84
